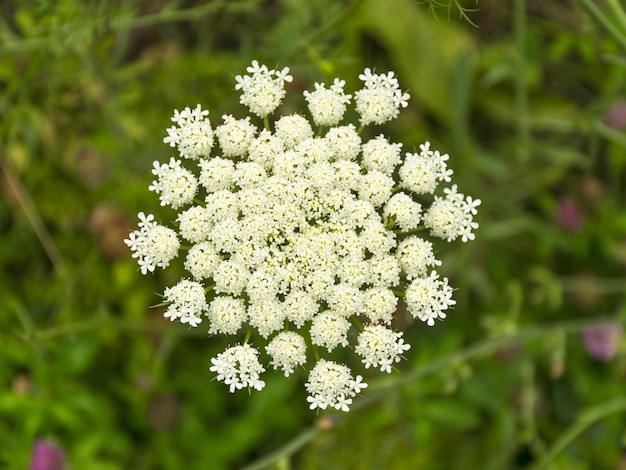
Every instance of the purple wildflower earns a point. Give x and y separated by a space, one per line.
568 215
616 116
47 456
601 341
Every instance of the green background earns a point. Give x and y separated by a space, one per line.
523 100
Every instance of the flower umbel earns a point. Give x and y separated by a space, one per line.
300 231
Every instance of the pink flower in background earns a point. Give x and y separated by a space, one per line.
47 456
616 116
601 341
569 216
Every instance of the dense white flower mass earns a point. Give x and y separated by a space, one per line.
301 234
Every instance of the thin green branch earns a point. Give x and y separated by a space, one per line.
36 222
521 88
124 23
287 450
380 389
584 421
330 25
599 17
619 12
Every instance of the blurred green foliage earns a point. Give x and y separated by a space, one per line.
531 106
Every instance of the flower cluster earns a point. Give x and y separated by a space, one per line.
299 232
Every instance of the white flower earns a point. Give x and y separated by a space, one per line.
202 259
327 105
216 173
379 304
347 175
452 217
239 367
288 351
329 330
379 154
231 277
345 300
154 245
222 205
195 224
187 302
249 174
376 187
344 142
300 307
314 150
193 137
415 255
376 238
380 347
427 298
175 185
265 148
235 135
380 98
331 384
421 172
404 211
292 130
262 286
302 226
227 234
384 271
266 316
226 315
263 91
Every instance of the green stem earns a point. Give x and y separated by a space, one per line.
480 350
599 17
285 451
417 229
521 88
620 13
34 218
584 421
331 25
170 15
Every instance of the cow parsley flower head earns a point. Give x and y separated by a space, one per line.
428 298
152 244
264 89
452 216
288 351
187 302
421 172
176 185
380 347
327 105
331 384
235 135
380 99
303 235
239 367
193 135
